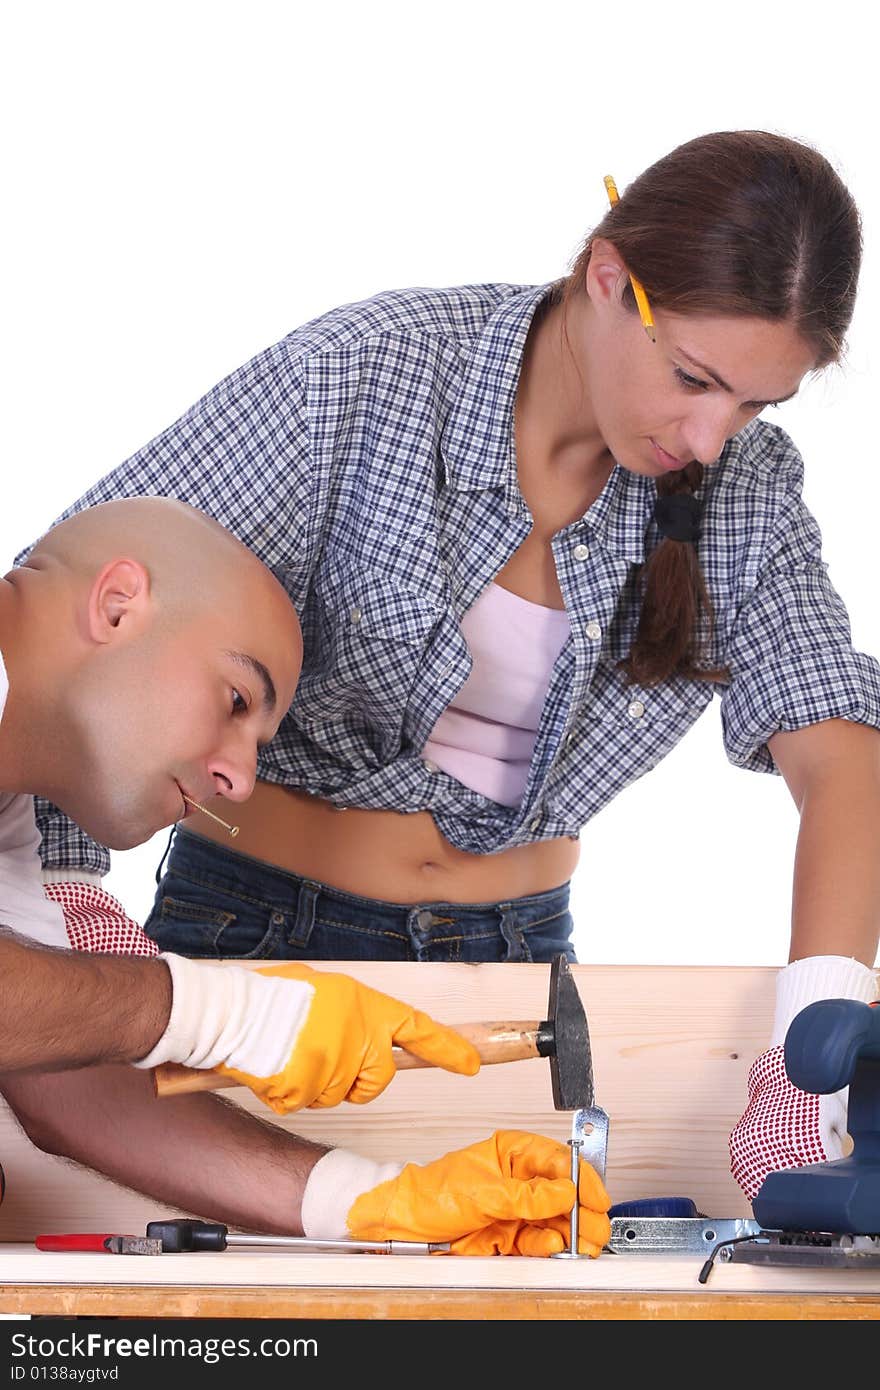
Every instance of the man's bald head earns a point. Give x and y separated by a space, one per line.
189 555
152 651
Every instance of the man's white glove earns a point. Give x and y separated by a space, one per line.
784 1127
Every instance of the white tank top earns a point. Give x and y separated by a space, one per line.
23 905
486 737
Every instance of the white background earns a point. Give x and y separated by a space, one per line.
186 182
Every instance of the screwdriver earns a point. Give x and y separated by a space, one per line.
103 1244
186 1235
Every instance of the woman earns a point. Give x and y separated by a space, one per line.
527 544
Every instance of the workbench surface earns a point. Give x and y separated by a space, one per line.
322 1285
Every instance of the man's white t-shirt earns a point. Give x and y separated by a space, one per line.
23 905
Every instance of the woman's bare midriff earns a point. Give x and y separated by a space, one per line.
381 854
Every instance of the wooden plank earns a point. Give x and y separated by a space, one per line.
671 1050
278 1284
401 1304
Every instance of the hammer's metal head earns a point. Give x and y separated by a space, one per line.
571 1062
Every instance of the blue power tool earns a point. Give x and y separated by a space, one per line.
824 1214
831 1044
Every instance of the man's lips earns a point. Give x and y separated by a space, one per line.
190 804
188 808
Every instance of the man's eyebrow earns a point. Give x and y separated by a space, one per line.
723 384
270 699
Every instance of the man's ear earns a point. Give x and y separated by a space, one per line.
606 275
119 601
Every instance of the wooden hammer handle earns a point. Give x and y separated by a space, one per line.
495 1042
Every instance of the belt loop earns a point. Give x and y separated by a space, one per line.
516 942
305 914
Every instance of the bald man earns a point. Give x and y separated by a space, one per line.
144 655
149 653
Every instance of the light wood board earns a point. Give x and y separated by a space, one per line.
671 1051
22 1264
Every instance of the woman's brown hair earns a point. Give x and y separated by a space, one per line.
737 223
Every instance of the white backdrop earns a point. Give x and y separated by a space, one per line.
187 180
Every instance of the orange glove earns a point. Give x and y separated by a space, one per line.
343 1048
297 1036
512 1194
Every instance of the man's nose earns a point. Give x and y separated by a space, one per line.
234 770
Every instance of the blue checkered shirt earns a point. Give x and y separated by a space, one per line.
368 459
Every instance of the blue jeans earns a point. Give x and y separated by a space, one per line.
215 902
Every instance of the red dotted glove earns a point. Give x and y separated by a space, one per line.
95 921
782 1126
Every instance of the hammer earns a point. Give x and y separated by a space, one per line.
562 1037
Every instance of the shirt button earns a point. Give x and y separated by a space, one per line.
581 552
431 767
594 631
355 615
533 824
636 709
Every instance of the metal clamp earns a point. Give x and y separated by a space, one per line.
589 1140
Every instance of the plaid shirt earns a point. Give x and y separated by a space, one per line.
368 459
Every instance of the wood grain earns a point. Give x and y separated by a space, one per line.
418 1304
671 1051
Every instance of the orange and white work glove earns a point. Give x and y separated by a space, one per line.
784 1127
95 921
297 1036
511 1194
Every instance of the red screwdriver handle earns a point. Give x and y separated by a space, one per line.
75 1242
